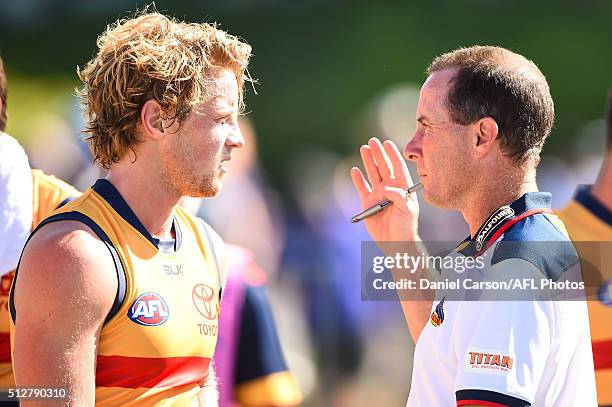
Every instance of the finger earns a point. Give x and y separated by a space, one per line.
370 166
402 201
400 169
380 156
395 195
363 189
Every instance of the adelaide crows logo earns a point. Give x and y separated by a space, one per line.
437 317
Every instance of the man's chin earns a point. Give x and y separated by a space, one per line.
208 189
434 199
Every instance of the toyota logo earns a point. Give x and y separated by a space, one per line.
204 301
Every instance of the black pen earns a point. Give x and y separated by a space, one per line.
382 205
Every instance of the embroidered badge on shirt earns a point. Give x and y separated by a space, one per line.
437 317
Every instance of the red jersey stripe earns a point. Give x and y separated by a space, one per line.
5 347
602 354
480 403
136 372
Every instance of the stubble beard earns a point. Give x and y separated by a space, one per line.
449 190
178 174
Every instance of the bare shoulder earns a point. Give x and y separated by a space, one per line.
66 265
62 293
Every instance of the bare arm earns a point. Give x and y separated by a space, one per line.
63 293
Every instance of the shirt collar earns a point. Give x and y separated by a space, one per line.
112 196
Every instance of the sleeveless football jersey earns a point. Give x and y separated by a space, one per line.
48 194
160 335
589 224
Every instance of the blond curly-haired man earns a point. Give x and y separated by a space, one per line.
116 298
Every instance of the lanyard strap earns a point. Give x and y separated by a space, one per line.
509 224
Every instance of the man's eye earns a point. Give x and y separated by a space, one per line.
224 119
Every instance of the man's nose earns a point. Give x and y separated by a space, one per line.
413 150
236 139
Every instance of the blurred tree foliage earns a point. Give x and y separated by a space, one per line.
319 64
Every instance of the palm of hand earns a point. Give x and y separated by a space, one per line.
388 179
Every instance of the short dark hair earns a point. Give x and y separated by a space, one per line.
495 82
3 91
609 121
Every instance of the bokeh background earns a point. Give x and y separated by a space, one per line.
330 75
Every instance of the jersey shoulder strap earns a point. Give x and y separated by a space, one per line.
119 268
210 236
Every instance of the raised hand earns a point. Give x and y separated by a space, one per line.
388 178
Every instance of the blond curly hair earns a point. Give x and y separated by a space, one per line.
151 56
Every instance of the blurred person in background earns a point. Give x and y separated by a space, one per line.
362 353
125 325
16 203
26 198
250 363
588 219
482 119
331 300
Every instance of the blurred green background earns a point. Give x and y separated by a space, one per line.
319 64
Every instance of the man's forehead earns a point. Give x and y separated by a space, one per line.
432 98
224 89
438 81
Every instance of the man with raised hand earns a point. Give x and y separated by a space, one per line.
116 298
482 118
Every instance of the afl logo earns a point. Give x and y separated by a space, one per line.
149 309
204 300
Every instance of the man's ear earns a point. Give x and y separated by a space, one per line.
486 131
151 119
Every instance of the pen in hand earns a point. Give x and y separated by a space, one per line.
373 210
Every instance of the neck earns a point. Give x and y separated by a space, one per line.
152 204
490 196
601 189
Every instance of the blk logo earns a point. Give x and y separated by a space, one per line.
171 270
149 309
205 301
